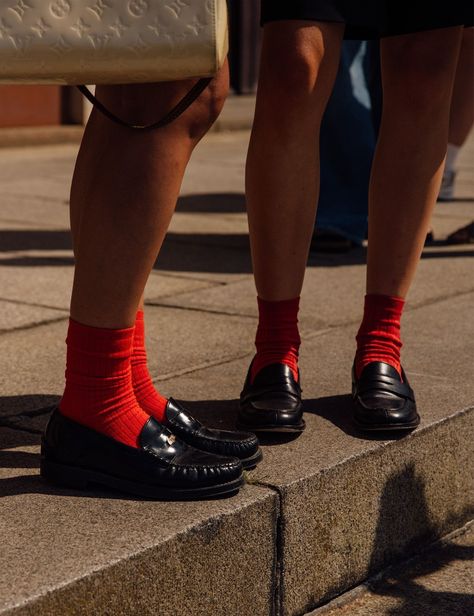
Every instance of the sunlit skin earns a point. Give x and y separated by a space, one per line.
299 63
462 105
124 192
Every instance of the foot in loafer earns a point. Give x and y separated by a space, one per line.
271 402
240 445
161 467
175 417
383 400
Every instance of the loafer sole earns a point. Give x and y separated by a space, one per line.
272 428
251 461
401 427
86 479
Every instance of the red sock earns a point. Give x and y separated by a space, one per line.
277 339
378 338
148 398
99 392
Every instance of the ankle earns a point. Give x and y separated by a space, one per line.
98 392
149 399
378 338
277 339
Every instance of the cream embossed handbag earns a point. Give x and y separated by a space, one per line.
112 42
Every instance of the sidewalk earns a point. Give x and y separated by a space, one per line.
320 513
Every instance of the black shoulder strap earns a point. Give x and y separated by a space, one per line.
180 108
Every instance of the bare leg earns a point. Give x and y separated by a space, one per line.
124 192
462 105
417 75
298 68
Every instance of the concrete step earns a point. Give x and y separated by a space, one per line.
439 582
349 505
320 514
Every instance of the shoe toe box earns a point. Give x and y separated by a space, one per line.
195 466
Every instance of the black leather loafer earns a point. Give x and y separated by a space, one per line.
163 467
382 400
240 445
272 403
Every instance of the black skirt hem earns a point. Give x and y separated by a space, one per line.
374 19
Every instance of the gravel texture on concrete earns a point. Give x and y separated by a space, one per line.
322 512
439 582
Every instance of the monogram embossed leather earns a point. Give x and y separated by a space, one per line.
110 41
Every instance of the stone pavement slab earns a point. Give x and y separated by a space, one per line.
99 553
32 361
334 287
439 582
42 173
32 212
350 504
325 510
27 136
16 315
44 278
218 165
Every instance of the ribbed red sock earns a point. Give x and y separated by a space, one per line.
277 339
148 398
99 392
378 338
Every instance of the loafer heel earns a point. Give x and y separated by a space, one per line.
61 475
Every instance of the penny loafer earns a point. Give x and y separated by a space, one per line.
162 467
272 403
382 400
240 445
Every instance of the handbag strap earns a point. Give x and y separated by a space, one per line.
177 110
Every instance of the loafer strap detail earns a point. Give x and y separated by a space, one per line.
387 385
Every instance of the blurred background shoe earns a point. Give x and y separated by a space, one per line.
446 192
464 235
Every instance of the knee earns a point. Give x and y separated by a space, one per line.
147 103
298 66
292 73
207 108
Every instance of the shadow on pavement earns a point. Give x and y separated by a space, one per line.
223 414
190 252
212 203
22 429
404 512
214 413
338 410
182 252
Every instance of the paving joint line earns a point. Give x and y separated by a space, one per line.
15 330
198 367
156 302
310 333
277 582
33 304
199 309
184 277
